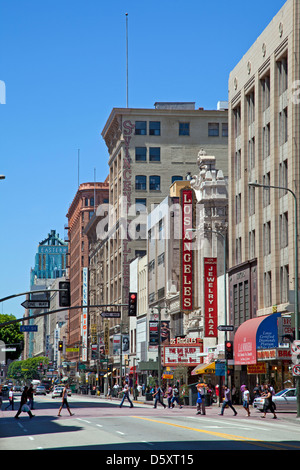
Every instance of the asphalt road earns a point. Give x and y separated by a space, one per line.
100 424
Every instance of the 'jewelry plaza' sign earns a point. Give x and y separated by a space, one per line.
210 298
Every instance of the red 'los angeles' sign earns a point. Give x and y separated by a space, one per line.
210 297
186 276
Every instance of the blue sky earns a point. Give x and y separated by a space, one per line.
64 66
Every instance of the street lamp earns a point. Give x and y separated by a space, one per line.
259 185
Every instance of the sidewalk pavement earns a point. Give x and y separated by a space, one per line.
215 410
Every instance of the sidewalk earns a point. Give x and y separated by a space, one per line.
215 410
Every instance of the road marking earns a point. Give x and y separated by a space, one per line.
232 437
31 438
99 425
84 420
122 433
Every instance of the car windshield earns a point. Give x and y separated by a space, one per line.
278 394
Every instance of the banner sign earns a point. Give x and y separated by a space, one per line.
186 262
84 319
210 298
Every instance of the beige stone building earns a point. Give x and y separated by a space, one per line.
264 144
148 149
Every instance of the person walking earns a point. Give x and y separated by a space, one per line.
227 401
65 401
23 405
30 397
170 396
246 400
201 389
176 397
126 392
269 404
158 394
11 399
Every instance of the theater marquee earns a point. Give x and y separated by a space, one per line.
186 252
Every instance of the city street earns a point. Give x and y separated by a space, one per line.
100 424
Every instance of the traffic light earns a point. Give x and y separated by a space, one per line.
229 350
60 345
64 295
132 304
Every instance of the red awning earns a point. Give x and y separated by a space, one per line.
245 341
133 369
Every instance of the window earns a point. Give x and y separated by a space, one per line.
154 128
213 129
140 205
268 288
251 107
284 229
184 128
140 128
225 129
267 238
154 154
140 154
154 183
282 67
265 84
266 192
283 126
141 182
237 121
176 178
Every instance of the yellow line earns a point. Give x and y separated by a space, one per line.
223 435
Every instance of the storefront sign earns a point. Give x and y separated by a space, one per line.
186 275
257 368
210 298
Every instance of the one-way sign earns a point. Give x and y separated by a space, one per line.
36 304
225 327
110 314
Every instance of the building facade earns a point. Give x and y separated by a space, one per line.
83 207
149 149
264 140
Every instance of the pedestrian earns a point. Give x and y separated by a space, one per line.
30 397
269 404
11 399
201 389
257 391
170 396
23 405
108 392
246 400
175 397
65 401
158 394
126 392
227 401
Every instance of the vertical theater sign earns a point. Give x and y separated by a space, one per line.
210 298
186 250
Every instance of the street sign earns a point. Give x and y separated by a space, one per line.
225 327
36 304
110 314
27 328
296 370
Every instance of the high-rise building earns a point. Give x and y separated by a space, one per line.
264 142
149 149
87 198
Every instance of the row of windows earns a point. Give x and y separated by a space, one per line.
183 128
154 183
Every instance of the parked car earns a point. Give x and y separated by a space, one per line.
58 390
17 390
285 400
40 390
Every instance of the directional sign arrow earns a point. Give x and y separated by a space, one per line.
36 304
110 314
225 327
